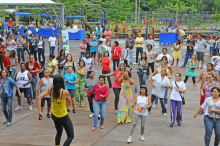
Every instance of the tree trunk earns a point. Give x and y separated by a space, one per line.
89 26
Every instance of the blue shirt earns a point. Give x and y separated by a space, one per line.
70 78
5 25
6 90
98 32
93 49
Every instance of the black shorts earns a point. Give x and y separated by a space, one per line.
93 54
48 102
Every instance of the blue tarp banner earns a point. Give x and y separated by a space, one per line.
33 29
78 17
167 37
23 14
46 32
77 35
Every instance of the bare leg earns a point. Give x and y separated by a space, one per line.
29 101
202 62
172 62
48 110
19 101
131 133
73 103
177 62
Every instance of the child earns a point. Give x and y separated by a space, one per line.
41 73
100 49
7 63
211 43
83 47
176 52
126 56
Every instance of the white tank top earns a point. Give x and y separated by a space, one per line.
22 78
141 101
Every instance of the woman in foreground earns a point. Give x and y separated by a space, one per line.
59 97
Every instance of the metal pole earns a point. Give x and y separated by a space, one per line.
177 11
135 12
62 16
138 13
16 11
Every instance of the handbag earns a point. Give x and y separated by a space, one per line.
140 72
183 99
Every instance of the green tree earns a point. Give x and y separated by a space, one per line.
4 14
216 17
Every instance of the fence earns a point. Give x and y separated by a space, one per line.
184 17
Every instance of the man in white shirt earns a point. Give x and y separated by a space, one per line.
150 41
52 43
30 25
211 43
200 52
169 58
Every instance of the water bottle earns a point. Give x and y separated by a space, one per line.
135 89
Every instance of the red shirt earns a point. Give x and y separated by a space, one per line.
117 84
108 32
116 52
35 66
6 61
105 63
10 23
3 51
104 91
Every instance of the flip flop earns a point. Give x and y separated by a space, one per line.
94 129
102 127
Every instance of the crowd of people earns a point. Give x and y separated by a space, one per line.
64 84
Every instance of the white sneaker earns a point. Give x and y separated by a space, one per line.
166 105
165 114
30 108
99 116
154 106
129 139
91 115
82 105
18 107
142 138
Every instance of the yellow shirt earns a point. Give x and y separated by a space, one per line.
181 32
139 40
51 64
59 107
0 24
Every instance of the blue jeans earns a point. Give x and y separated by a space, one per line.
52 50
13 73
165 98
33 86
211 124
20 53
142 79
82 54
218 72
4 102
188 54
131 55
60 71
97 105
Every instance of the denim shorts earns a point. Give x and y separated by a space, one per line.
27 92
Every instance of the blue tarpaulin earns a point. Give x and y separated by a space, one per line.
78 17
32 29
168 19
24 14
45 15
77 35
46 32
168 37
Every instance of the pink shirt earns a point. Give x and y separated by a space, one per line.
117 84
104 91
107 32
83 45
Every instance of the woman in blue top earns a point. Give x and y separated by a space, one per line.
142 68
6 83
70 80
41 50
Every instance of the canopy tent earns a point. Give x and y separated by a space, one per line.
42 4
168 19
77 17
24 14
45 15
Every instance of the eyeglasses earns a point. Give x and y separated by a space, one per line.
176 76
46 72
208 77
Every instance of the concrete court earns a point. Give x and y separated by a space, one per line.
27 130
